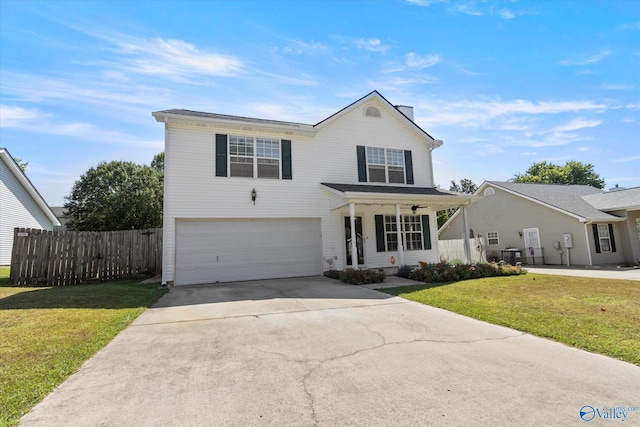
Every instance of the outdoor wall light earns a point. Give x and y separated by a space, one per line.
253 196
520 233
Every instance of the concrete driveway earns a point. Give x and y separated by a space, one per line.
315 352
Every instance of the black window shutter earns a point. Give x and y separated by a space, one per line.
362 164
596 238
380 244
613 241
408 165
426 232
286 159
221 155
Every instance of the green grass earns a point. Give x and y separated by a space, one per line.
46 334
597 315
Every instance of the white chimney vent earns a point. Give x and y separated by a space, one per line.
406 110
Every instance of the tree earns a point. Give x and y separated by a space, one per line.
573 172
117 195
466 186
22 165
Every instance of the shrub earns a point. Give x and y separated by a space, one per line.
357 277
332 274
444 272
405 270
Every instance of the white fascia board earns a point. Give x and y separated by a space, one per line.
283 129
22 178
443 202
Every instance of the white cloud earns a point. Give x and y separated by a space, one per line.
591 60
176 57
576 124
371 45
633 26
617 86
627 159
467 9
297 47
425 2
415 61
506 14
18 117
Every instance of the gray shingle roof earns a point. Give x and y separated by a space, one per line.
614 200
387 189
191 113
569 198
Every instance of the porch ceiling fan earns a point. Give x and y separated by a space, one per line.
414 208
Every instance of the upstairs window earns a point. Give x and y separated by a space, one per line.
251 157
386 165
268 154
241 156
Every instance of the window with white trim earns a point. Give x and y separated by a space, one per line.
385 165
411 232
638 227
493 238
241 156
604 237
254 157
268 154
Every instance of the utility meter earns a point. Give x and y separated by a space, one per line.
568 240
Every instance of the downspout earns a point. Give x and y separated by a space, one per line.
465 234
434 144
586 235
165 254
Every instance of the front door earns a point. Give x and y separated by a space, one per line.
359 240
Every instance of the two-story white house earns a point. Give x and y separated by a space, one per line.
253 199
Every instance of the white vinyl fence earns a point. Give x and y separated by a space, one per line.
453 250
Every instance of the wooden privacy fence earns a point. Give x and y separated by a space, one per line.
41 257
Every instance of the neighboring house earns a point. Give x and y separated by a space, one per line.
61 213
250 198
20 205
553 224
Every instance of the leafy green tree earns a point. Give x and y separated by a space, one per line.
466 186
573 172
117 195
22 165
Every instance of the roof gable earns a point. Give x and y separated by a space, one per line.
390 108
567 199
13 167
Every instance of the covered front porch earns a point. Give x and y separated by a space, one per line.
388 226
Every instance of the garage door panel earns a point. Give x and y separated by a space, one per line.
223 250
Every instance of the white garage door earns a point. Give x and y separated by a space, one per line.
227 250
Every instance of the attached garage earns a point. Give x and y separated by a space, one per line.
228 250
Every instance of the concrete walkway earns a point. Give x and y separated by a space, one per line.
595 272
315 352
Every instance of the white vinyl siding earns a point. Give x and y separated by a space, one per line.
17 209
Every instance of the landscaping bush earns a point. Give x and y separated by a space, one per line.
444 272
405 271
357 277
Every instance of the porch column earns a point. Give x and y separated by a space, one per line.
465 234
354 236
399 231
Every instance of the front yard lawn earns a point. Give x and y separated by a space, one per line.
46 334
597 315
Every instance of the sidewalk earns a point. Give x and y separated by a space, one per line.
594 272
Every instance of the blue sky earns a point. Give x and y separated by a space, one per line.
504 84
